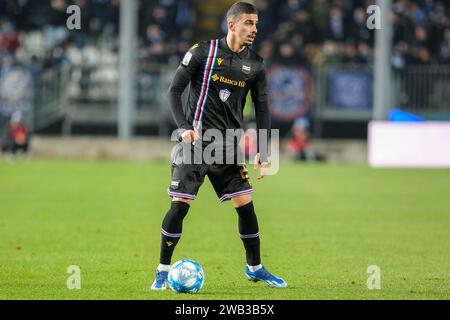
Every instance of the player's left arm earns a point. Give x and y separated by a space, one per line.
259 93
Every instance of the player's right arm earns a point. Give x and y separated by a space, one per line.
189 66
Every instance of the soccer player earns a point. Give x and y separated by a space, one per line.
221 73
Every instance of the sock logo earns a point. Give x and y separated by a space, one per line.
169 243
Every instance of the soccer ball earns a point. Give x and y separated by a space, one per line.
186 276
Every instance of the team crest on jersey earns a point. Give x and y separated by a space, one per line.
246 68
219 61
224 94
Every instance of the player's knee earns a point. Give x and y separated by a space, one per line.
173 220
179 208
248 223
175 199
241 200
246 211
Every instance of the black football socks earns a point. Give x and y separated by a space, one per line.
249 233
171 230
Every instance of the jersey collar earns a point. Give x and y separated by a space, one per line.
224 44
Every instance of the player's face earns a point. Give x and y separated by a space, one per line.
245 28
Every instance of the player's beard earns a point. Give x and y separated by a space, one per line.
247 43
247 40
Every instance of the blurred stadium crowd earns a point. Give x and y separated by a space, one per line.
301 41
323 31
291 31
35 31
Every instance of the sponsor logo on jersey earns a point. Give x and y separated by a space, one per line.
224 94
219 61
232 82
187 58
246 68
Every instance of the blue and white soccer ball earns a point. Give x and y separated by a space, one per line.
186 276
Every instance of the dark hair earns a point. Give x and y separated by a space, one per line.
240 8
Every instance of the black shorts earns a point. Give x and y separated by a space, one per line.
228 180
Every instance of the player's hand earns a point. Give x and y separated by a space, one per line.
190 136
264 166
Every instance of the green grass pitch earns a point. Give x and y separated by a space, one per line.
321 227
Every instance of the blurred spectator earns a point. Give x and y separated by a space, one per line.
399 56
417 13
266 20
444 49
299 147
331 52
266 49
9 39
350 53
359 31
336 28
365 53
154 44
305 27
320 12
17 135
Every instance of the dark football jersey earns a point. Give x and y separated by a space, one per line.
220 82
